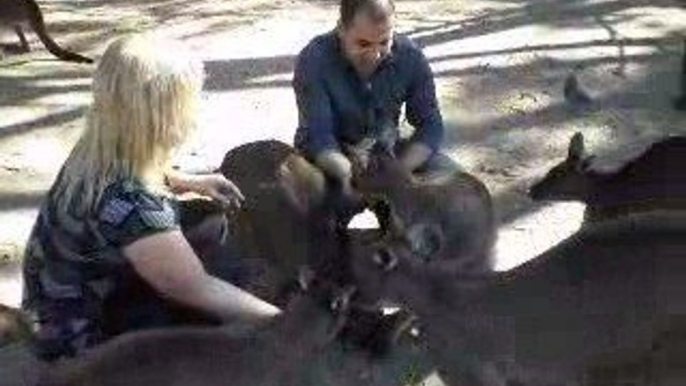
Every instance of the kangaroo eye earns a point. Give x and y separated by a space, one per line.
385 259
425 241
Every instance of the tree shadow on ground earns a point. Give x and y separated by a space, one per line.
638 106
557 14
14 201
48 121
238 74
549 72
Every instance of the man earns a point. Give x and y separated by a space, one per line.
350 85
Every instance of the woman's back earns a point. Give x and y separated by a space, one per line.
73 261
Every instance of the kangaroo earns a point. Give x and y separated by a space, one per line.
273 354
291 217
652 180
18 13
458 205
285 218
608 298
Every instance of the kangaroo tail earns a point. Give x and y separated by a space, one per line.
38 25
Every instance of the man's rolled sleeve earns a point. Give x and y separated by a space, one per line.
315 118
422 110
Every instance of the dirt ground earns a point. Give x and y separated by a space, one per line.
499 66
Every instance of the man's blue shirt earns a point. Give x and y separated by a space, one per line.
337 106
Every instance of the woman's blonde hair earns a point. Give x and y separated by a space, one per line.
146 92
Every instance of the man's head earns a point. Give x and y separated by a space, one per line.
365 28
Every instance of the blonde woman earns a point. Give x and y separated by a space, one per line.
111 211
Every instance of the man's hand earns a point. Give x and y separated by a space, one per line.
214 186
359 155
336 165
415 156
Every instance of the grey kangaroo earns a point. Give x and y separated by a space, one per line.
274 354
20 13
652 180
609 302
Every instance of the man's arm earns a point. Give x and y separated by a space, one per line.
315 117
415 155
423 114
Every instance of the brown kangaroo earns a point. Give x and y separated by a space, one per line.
18 13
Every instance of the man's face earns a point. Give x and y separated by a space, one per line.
366 42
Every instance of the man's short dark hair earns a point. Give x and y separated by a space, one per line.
379 10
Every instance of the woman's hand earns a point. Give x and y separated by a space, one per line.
219 188
214 186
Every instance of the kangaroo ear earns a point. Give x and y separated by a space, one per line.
426 240
341 301
303 184
305 277
576 148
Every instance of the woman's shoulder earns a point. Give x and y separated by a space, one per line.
130 202
134 192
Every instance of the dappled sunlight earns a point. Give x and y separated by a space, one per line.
272 81
10 282
534 233
364 220
46 154
232 118
284 34
500 66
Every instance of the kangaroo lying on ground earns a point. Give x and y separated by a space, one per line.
275 354
19 13
653 179
561 319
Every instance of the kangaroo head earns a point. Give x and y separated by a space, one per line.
320 306
396 269
567 180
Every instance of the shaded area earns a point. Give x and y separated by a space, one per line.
632 101
237 74
658 43
44 122
560 14
15 201
17 88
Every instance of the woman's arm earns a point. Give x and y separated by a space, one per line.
167 262
215 186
